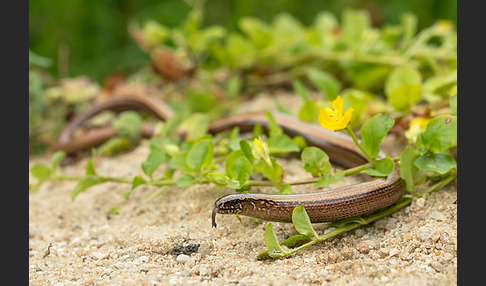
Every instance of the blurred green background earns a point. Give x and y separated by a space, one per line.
87 37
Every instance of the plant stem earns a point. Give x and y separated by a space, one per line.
405 201
348 172
439 184
354 225
351 133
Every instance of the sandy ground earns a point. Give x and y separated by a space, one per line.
81 243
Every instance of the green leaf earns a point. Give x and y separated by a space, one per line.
273 172
281 108
355 23
438 86
275 250
300 142
273 128
199 101
137 181
374 131
404 97
84 185
200 155
301 90
309 111
263 255
408 168
260 150
315 161
246 149
328 179
258 31
185 180
90 170
369 77
238 167
400 76
179 162
408 23
153 161
257 131
453 104
382 168
56 160
128 124
195 126
440 163
302 222
403 87
284 189
295 240
115 145
440 135
233 87
41 171
234 184
325 82
282 144
115 210
217 178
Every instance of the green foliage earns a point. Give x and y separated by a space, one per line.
153 161
403 87
383 73
374 131
238 168
316 161
128 124
440 135
302 223
382 168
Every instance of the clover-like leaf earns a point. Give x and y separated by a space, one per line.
84 185
153 161
382 168
440 163
275 250
316 161
440 135
200 155
374 131
302 222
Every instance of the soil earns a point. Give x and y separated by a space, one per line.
102 239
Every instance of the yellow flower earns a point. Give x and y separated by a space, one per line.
260 150
417 126
334 119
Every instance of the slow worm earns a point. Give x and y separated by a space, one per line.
335 204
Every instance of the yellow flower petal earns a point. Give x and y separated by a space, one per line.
335 119
417 126
337 104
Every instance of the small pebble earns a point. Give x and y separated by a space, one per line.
437 266
364 247
438 216
420 202
98 255
182 258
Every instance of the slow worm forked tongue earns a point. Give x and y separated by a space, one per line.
213 218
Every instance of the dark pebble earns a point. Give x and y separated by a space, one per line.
185 249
